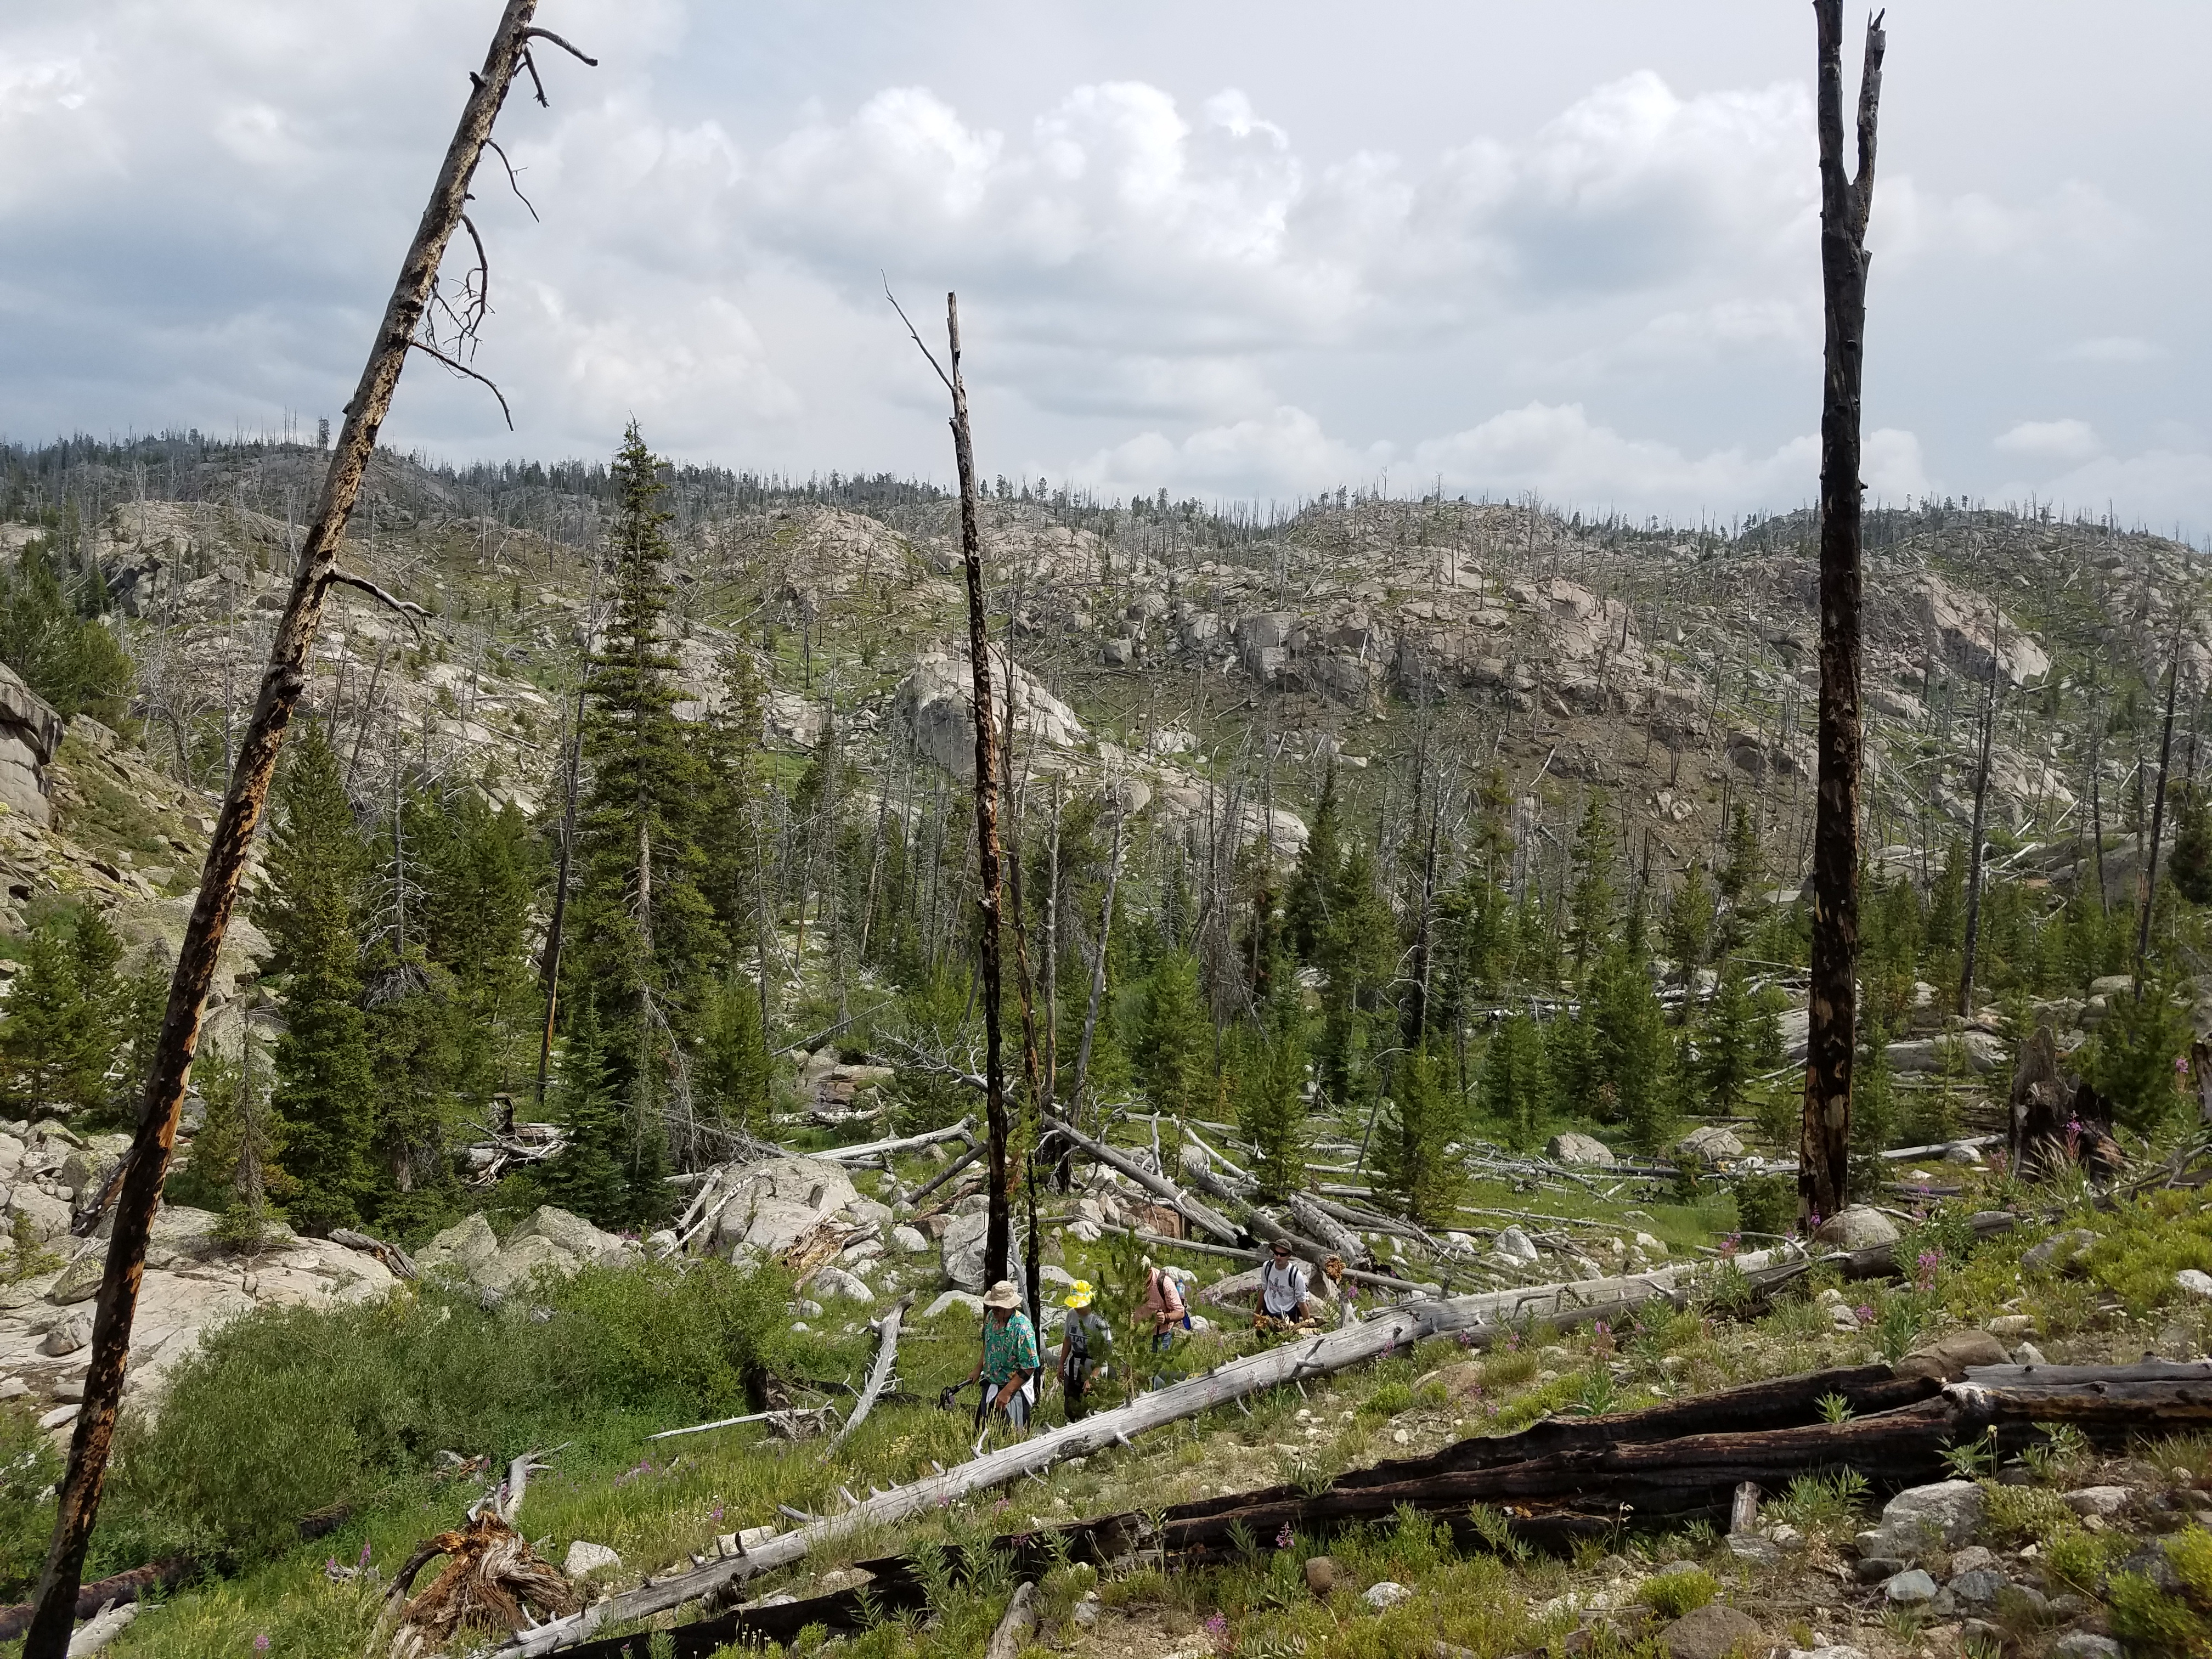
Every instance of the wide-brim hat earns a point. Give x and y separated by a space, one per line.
1079 1294
1002 1295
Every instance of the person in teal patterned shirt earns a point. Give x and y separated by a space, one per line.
1009 1360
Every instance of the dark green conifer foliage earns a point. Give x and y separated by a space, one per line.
735 1075
1737 1036
2191 869
592 1176
1306 904
645 937
1421 1118
2130 1058
1178 1038
1271 1108
326 1083
70 659
1690 923
1517 1081
1593 900
64 1017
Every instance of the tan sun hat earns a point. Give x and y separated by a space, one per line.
1002 1295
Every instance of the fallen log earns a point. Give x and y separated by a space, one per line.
1159 1186
963 1130
1481 1317
125 1588
1237 1253
719 1422
946 1173
1319 1224
886 1355
1015 1629
396 1261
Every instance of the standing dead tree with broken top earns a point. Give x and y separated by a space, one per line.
408 325
1824 1143
998 1240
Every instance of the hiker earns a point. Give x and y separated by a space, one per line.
1281 1305
1086 1339
1162 1305
1009 1359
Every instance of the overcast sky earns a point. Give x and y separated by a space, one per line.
1237 250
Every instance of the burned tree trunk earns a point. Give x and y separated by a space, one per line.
1974 838
999 1240
2149 896
281 684
1824 1143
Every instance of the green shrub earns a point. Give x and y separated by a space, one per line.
2077 1558
29 1466
1671 1594
291 1410
2148 1620
2020 1515
1387 1401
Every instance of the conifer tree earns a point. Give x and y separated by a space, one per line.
1178 1038
53 642
64 1018
645 933
1689 924
1735 1036
1517 1081
1592 901
735 1075
325 1079
1306 904
1271 1108
1421 1119
591 1177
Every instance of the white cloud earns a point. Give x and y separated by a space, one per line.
2109 349
2051 440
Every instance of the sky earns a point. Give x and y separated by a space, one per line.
1237 251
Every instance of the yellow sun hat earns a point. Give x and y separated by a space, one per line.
1079 1294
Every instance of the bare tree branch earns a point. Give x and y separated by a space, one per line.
462 368
910 329
512 183
535 34
416 614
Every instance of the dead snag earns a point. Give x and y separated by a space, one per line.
492 1578
998 1239
406 314
1825 1144
1014 1630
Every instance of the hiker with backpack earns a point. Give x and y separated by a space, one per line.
1085 1341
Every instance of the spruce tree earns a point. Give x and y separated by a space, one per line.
1271 1108
326 1083
590 1177
1517 1081
1592 901
735 1075
1178 1038
1306 904
65 1018
1689 924
1736 1034
1420 1121
646 942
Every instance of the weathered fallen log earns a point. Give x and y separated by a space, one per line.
886 1356
1014 1630
719 1422
963 1130
396 1261
1159 1186
1325 1227
1481 1317
1237 1253
946 1173
123 1589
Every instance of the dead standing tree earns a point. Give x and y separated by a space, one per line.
1825 1144
998 1239
406 326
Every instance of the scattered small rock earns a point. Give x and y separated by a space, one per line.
2195 1282
1828 1653
2085 1644
1711 1632
2103 1502
1948 1358
967 1301
1086 1611
1972 1559
585 1557
2010 1328
910 1240
1576 1148
1750 1546
1980 1588
2028 1354
1320 1574
1910 1588
2057 1253
67 1336
1387 1594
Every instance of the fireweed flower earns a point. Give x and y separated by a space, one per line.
1286 1538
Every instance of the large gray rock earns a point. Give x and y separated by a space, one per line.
1709 1144
1922 1519
1860 1227
1576 1148
585 1557
1515 1246
835 1281
772 1203
572 1235
30 732
463 1249
963 1248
